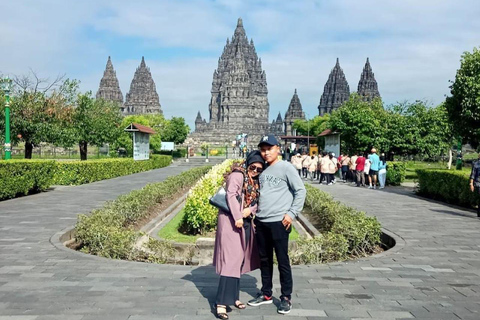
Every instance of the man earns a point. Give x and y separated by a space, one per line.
475 180
282 194
374 163
360 166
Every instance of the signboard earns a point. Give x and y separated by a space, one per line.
141 146
167 146
332 144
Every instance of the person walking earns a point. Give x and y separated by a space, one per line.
374 160
297 163
475 180
344 164
366 169
382 171
282 195
305 162
312 166
324 167
360 166
236 251
331 168
352 166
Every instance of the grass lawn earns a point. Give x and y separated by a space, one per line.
411 166
170 231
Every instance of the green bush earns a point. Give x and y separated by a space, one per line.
346 232
450 186
80 172
108 232
21 177
395 173
200 216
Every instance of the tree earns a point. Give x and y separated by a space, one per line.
175 130
95 122
361 124
313 127
37 110
463 107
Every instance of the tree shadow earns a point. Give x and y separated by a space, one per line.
206 281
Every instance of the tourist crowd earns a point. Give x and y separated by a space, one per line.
357 168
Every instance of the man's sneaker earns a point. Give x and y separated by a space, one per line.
285 306
259 300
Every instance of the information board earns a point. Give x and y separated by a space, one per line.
141 146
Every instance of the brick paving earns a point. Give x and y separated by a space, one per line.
433 273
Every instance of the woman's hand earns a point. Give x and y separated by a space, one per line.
239 223
472 188
247 212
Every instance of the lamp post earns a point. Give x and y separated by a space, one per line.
6 85
308 134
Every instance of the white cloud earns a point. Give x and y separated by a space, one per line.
414 47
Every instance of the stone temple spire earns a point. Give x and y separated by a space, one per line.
142 97
294 112
367 86
109 88
335 92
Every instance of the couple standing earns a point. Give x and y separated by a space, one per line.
264 196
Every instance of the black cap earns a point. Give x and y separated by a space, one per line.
254 156
270 140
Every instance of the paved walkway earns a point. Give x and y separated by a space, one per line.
433 273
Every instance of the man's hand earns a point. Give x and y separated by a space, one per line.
247 212
472 188
287 221
239 223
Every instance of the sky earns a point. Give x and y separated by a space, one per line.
414 47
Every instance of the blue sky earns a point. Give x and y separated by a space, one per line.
414 46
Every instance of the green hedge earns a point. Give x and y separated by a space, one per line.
446 185
345 232
395 173
21 177
80 172
109 232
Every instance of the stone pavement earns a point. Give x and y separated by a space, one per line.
432 273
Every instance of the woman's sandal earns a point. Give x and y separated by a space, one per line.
240 305
222 312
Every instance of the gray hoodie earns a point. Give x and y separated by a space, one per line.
281 192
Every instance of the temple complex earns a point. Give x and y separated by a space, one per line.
294 112
239 102
142 97
335 92
109 87
367 86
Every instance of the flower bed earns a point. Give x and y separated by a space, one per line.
110 231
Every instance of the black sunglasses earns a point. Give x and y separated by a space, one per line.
253 167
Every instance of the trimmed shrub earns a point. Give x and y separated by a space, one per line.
346 232
80 172
200 216
395 173
21 177
179 153
108 232
450 186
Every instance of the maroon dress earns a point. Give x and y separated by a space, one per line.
233 255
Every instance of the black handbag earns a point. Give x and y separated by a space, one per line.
219 199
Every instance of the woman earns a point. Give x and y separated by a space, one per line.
382 171
312 166
235 247
331 168
297 163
